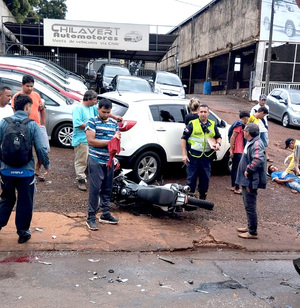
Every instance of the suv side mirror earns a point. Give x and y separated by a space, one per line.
222 123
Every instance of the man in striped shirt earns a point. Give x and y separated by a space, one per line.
99 131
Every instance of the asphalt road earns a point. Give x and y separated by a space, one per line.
206 279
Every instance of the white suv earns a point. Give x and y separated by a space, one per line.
151 132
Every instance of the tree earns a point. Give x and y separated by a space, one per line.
20 9
55 9
37 9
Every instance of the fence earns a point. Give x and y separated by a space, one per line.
69 61
281 85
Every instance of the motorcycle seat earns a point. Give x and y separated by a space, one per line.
157 195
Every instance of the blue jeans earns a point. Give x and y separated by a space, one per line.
198 168
249 199
25 187
235 164
101 180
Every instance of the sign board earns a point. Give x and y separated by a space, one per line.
81 34
286 25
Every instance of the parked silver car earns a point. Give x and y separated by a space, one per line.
284 105
58 108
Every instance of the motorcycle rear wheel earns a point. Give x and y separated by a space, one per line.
207 205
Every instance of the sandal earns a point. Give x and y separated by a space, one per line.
238 192
40 177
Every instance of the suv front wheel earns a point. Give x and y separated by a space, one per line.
147 167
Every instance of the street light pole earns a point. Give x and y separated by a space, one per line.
269 55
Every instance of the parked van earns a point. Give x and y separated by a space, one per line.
167 83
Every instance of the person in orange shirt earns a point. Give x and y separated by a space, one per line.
38 114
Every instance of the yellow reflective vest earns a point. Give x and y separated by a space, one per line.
197 141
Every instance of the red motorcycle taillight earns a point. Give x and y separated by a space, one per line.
126 125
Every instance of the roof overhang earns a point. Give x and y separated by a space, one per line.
32 37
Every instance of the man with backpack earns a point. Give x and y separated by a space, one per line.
38 114
18 134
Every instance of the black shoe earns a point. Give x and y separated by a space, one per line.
202 196
23 239
108 219
92 225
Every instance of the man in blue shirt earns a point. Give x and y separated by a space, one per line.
21 179
81 113
99 131
289 179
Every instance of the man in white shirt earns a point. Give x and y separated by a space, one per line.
5 108
263 123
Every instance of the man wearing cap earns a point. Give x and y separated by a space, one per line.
263 123
294 158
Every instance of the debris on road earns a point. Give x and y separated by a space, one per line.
166 260
92 260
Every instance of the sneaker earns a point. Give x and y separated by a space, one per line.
108 219
92 225
81 184
23 239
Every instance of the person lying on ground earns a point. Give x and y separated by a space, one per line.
290 180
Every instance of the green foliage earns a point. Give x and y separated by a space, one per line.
55 9
37 9
21 8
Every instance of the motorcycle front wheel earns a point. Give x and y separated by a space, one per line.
207 205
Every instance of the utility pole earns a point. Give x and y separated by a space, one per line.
269 55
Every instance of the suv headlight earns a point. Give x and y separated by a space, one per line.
182 93
158 89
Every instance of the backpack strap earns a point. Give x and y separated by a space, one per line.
9 119
26 120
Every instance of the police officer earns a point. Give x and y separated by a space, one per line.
199 143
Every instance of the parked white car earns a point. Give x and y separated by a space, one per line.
148 141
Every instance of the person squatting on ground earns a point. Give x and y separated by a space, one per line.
21 179
251 175
237 148
263 123
5 108
194 105
200 139
99 131
293 159
81 114
38 114
290 180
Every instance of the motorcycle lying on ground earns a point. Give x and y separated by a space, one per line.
171 198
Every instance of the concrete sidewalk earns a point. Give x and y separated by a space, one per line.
52 232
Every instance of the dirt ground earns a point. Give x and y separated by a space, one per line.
275 204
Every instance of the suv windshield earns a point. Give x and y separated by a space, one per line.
169 79
111 71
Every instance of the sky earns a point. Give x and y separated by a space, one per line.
151 12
